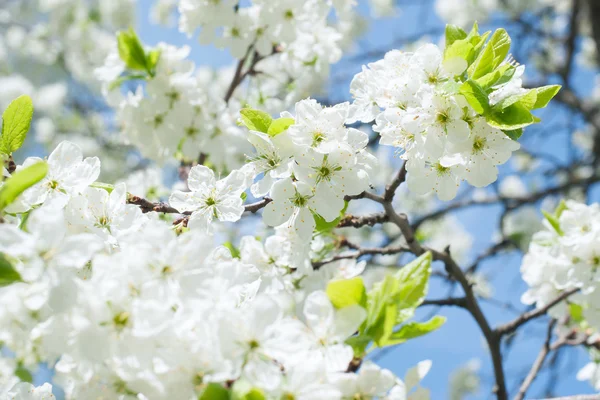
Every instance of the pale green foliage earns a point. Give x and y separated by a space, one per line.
15 124
8 274
388 304
487 70
21 181
260 121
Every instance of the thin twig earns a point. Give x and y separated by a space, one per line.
538 363
528 316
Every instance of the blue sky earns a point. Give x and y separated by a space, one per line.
460 339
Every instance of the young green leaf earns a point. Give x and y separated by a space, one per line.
346 292
214 391
512 117
500 42
15 124
23 374
131 50
562 206
280 125
415 329
382 293
459 49
21 181
454 33
413 281
322 226
101 185
526 99
514 134
8 274
500 75
553 222
544 95
256 120
492 55
475 96
359 344
152 59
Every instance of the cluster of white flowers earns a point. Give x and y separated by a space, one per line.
74 34
123 306
175 113
414 101
565 256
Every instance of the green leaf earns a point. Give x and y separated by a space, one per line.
255 394
15 124
553 222
460 48
101 185
454 33
377 298
323 226
507 74
235 252
21 181
415 329
413 281
500 42
475 96
280 125
492 55
214 391
562 206
346 292
526 100
544 95
131 50
512 117
359 344
474 32
152 59
8 274
256 120
500 75
243 390
23 374
514 134
576 312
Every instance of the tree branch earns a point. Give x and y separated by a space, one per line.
528 316
538 363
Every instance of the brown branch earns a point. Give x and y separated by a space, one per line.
492 339
528 316
390 189
538 363
571 42
237 76
578 397
147 206
382 251
360 221
451 301
254 207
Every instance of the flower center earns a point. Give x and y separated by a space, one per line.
441 170
318 137
479 144
299 201
121 320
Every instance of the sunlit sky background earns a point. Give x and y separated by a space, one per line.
460 340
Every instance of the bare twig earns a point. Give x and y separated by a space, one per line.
528 316
538 363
